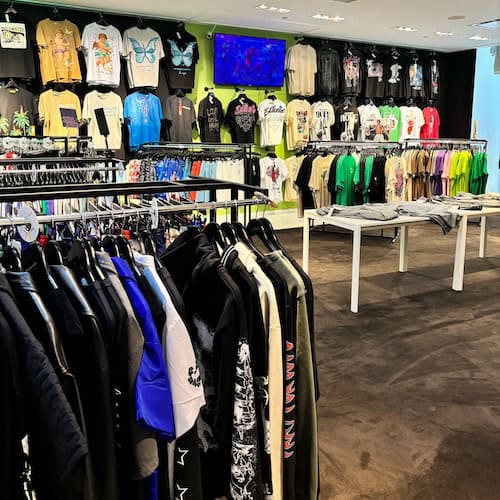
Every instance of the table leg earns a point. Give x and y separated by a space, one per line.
403 249
459 267
305 245
483 242
356 258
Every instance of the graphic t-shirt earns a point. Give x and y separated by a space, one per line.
375 84
102 47
241 116
179 111
273 173
181 53
16 53
58 42
143 50
393 68
323 117
371 127
430 130
412 120
17 111
113 111
301 68
272 114
49 110
210 118
327 76
434 79
416 79
352 73
143 114
391 117
298 123
347 121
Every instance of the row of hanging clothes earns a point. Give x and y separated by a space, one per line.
143 364
346 174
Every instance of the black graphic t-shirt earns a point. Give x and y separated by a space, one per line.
346 123
241 116
394 78
352 72
375 83
414 78
433 78
17 111
16 53
210 118
327 76
181 55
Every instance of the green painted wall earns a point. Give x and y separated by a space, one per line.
205 74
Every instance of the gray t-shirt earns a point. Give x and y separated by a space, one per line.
182 117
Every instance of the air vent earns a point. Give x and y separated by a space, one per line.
344 1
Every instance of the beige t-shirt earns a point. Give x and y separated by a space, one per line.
301 69
298 123
293 164
113 110
319 180
58 42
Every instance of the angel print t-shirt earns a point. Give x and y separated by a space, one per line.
143 50
102 48
181 53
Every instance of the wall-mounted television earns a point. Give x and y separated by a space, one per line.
248 60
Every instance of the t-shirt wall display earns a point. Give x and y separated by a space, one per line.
52 106
181 54
16 53
352 72
17 111
210 118
301 67
272 114
241 116
375 82
328 71
391 116
412 120
103 47
394 76
181 118
298 123
323 118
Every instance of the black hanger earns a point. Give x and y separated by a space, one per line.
126 253
410 102
395 53
11 259
181 26
78 260
179 93
96 270
110 246
102 20
215 235
11 84
141 24
53 253
150 247
59 87
34 262
272 155
243 237
256 228
56 15
229 232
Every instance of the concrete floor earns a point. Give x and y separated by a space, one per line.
410 386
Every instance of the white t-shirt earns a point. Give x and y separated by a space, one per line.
323 117
183 372
412 120
113 110
102 46
370 123
301 68
272 113
273 173
143 49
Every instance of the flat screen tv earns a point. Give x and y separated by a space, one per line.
248 60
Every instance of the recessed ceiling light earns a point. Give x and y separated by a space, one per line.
272 8
406 28
443 33
479 38
328 18
489 25
456 18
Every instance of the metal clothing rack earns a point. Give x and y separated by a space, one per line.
54 139
246 149
361 145
445 142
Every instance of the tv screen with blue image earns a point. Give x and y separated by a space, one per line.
248 60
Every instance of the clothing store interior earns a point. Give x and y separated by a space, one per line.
249 251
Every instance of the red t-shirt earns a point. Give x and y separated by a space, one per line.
430 130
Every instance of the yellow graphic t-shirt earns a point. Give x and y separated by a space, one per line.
58 42
49 110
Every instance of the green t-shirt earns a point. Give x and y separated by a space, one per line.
394 115
346 168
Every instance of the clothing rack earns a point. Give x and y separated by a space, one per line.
354 144
55 139
444 142
57 159
244 148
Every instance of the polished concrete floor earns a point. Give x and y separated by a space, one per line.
410 386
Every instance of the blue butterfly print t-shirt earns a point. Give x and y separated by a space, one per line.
143 113
143 49
181 53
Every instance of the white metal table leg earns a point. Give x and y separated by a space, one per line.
483 242
305 245
403 249
459 267
356 258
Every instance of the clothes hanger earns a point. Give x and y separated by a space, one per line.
150 248
126 253
11 260
255 227
33 260
10 10
53 253
78 260
229 232
96 270
243 237
56 15
215 236
101 21
179 93
141 24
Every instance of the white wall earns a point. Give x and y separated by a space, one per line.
486 110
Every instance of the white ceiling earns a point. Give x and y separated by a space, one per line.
365 20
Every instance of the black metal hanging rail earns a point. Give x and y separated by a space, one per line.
57 159
445 141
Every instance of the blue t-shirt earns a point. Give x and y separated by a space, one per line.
144 115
